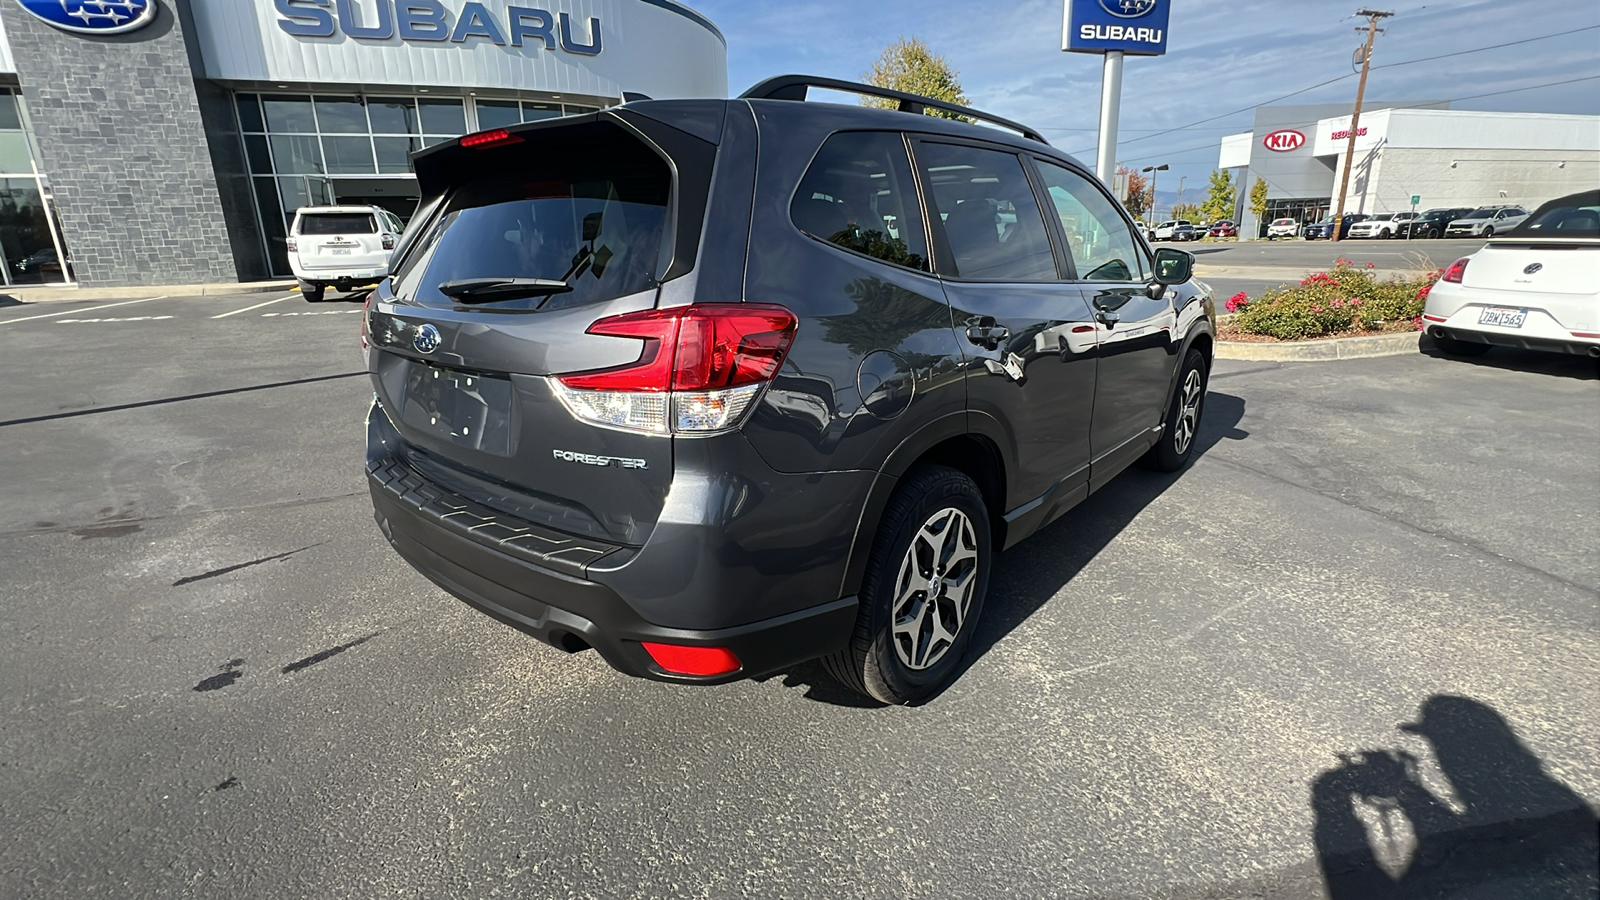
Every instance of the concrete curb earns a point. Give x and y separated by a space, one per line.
1364 347
48 294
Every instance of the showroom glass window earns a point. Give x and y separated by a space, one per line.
30 235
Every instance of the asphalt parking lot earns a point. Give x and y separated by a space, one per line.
216 679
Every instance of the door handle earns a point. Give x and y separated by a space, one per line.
983 331
1107 318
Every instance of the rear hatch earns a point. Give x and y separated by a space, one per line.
340 240
1540 266
528 237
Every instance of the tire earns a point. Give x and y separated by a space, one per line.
935 522
1432 234
1176 445
1452 347
312 292
1488 232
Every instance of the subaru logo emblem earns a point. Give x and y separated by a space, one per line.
1533 268
1128 9
93 16
427 339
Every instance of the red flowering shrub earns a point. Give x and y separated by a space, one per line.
1343 299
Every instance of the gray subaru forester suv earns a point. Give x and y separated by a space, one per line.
715 387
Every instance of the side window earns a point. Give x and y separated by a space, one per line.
989 214
859 194
1102 247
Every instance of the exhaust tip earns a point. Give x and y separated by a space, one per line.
571 643
1594 352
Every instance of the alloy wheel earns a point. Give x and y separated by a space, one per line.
1188 412
933 592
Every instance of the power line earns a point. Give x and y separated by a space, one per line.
1542 37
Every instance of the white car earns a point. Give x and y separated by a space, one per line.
1535 287
1486 221
1167 231
1282 228
341 246
1380 226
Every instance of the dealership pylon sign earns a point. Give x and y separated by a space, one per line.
1113 28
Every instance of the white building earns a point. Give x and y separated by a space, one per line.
1443 157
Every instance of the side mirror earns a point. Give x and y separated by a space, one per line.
1173 266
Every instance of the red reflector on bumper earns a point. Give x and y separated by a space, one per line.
693 660
1433 318
1585 334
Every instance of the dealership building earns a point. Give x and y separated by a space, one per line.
170 141
1442 156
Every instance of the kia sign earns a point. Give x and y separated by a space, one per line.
1283 141
1135 27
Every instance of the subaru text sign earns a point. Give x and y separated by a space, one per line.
430 21
93 16
1135 27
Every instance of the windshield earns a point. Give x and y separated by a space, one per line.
600 231
337 223
1386 217
1480 214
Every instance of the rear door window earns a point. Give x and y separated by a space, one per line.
338 223
991 220
859 195
595 221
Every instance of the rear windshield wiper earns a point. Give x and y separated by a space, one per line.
489 290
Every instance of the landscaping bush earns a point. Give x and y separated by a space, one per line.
1343 300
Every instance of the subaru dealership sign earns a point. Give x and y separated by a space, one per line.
1134 27
93 16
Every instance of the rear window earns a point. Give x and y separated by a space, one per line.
595 221
1570 217
338 223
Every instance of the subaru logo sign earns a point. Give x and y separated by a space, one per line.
1128 9
93 16
1533 269
427 339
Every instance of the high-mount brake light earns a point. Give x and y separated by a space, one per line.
1456 271
698 372
491 138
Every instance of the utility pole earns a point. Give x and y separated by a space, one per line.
1181 180
1373 18
1153 170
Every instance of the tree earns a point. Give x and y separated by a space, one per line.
1136 198
1258 199
1219 196
1186 211
908 65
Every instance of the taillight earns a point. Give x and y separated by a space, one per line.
366 310
491 138
388 242
1456 270
293 244
681 660
698 372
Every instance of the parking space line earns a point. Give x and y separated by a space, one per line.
68 312
257 306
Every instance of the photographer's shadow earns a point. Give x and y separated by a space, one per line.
1511 830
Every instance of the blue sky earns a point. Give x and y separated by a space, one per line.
1221 57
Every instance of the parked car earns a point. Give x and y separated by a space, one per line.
1282 228
679 380
1167 231
1187 232
1430 223
341 246
1536 286
38 263
1323 230
1382 226
1486 221
1223 229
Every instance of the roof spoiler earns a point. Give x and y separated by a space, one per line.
795 87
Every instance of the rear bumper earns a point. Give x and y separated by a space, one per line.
1554 322
363 275
575 593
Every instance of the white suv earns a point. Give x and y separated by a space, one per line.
1380 226
343 246
1486 221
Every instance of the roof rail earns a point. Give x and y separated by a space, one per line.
794 87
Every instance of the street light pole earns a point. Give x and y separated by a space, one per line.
1373 18
1153 170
